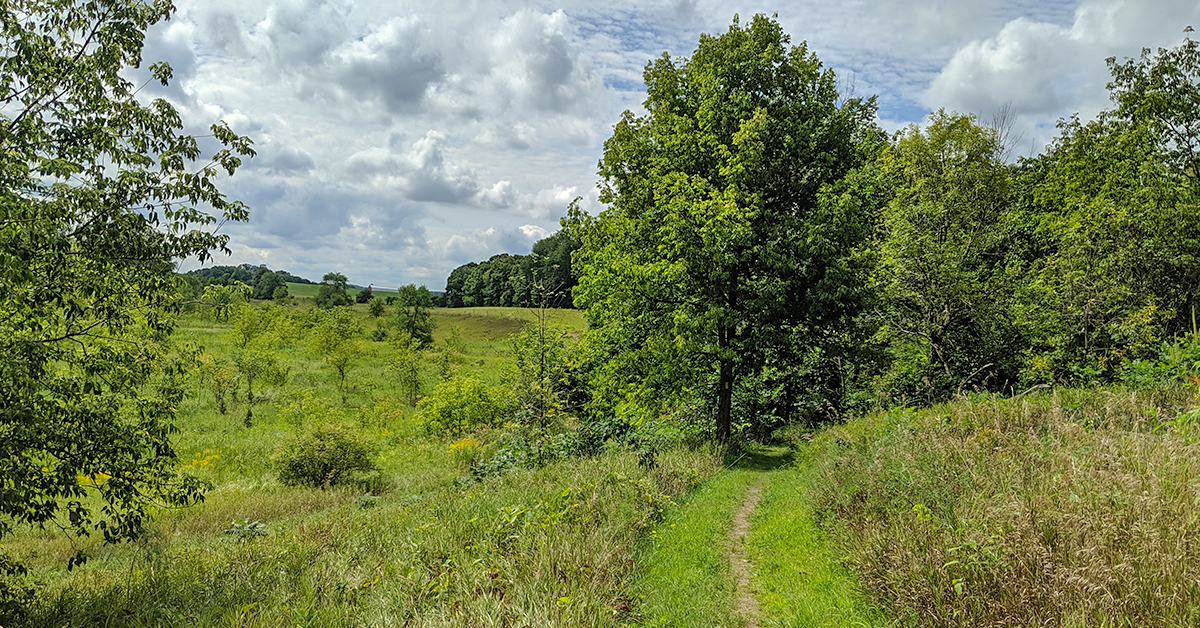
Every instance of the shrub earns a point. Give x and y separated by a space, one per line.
462 404
325 455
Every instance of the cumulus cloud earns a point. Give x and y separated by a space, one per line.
223 32
421 174
172 43
300 33
1033 65
390 64
398 140
538 64
479 244
1046 70
284 160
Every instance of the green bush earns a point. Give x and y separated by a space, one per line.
463 404
325 455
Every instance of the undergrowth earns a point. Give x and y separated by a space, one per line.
545 547
1070 508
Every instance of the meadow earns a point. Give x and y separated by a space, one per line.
419 542
1067 507
1072 507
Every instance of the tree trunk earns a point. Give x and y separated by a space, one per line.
725 387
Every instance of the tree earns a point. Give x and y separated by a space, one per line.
336 339
1110 215
724 237
412 317
456 285
946 296
219 379
406 364
375 308
332 292
363 295
222 299
267 284
99 193
257 364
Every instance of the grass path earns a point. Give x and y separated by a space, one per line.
739 559
742 551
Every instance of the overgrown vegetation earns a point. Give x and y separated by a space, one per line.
1072 507
769 261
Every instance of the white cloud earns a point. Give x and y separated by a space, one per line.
421 174
299 33
390 65
399 140
1045 70
538 64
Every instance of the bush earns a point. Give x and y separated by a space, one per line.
325 455
462 404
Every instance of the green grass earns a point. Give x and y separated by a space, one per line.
798 580
548 547
311 289
1069 508
303 289
684 577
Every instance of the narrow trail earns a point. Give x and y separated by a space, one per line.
739 558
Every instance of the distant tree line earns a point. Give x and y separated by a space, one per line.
264 283
543 277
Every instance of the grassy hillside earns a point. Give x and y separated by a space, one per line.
1068 508
418 543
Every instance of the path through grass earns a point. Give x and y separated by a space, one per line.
690 568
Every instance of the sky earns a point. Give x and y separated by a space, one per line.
397 140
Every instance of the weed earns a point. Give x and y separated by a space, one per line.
244 530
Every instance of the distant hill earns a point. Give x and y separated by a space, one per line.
248 274
261 279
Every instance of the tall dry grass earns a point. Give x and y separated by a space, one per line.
1072 508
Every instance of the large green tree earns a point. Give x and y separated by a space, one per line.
727 242
333 291
945 293
1112 246
100 190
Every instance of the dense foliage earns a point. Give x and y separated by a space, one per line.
543 277
264 282
768 253
727 264
333 291
99 192
1064 267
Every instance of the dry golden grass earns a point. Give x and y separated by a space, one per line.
1072 508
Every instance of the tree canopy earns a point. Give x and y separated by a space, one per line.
727 243
100 192
504 280
333 291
